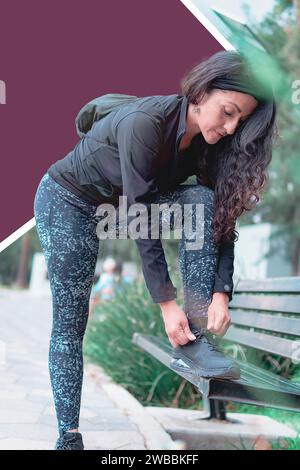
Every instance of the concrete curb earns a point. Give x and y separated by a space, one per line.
239 431
153 433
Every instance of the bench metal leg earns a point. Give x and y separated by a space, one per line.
217 409
214 409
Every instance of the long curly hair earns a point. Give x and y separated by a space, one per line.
234 167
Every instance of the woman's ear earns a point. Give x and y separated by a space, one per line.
202 97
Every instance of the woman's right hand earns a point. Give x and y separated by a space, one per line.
176 324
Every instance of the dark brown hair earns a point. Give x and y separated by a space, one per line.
235 167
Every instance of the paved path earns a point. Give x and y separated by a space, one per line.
27 419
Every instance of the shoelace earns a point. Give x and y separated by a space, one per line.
211 346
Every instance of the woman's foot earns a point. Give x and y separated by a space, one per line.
201 357
69 441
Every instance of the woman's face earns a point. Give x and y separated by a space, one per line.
221 112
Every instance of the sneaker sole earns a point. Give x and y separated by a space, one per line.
233 373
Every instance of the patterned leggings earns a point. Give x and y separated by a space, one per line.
66 226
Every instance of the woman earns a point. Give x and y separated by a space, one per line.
220 129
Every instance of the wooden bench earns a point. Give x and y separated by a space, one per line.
266 316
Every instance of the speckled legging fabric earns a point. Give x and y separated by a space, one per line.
66 227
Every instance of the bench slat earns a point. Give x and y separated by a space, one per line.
256 386
280 324
276 284
274 303
273 344
161 349
253 395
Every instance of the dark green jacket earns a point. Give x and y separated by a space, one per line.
133 150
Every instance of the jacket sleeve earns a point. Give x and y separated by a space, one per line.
225 269
139 138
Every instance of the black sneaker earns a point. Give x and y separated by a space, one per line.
201 357
70 441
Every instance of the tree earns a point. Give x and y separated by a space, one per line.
16 260
280 31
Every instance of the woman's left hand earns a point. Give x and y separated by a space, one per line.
218 315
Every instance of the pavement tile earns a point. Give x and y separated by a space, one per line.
27 415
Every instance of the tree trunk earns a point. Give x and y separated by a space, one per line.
297 10
21 280
295 259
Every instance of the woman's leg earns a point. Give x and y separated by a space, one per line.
198 264
67 231
198 268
